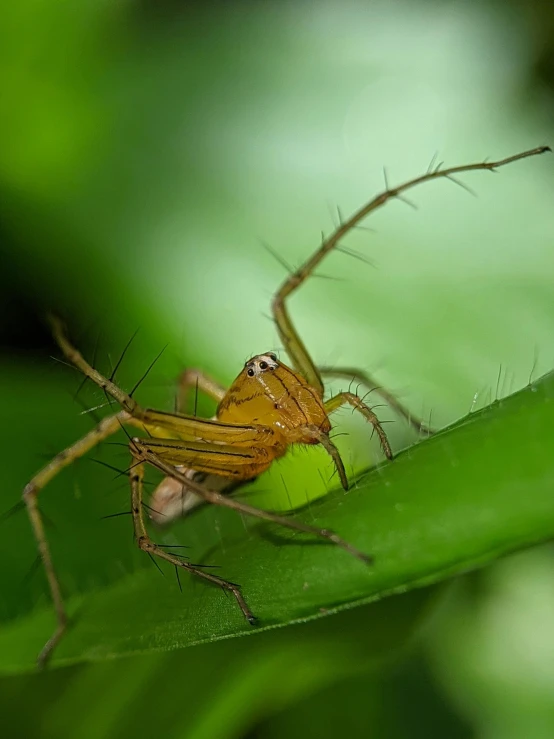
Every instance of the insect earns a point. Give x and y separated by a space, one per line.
269 407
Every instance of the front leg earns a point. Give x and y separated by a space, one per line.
294 346
361 377
349 398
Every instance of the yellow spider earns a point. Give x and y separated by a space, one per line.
267 408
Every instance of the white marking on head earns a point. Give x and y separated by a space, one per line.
261 363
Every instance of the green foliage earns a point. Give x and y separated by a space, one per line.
144 154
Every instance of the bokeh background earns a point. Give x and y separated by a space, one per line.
148 151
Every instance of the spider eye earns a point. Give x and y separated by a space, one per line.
263 365
273 357
250 372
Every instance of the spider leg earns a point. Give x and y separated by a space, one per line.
331 450
178 425
171 499
145 543
181 426
293 344
226 460
161 423
361 377
144 450
74 356
196 379
342 398
108 426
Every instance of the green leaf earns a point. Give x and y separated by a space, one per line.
235 682
456 501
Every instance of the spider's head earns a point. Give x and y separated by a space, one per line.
261 363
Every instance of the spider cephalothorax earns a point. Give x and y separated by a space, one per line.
272 394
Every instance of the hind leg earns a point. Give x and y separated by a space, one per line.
108 426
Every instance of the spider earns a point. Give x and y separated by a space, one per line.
268 407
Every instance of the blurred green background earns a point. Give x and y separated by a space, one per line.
148 149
